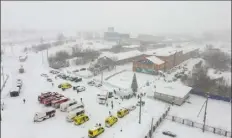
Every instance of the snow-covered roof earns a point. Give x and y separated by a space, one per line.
155 60
172 89
122 55
167 51
131 46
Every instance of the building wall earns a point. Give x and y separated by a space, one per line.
177 58
170 99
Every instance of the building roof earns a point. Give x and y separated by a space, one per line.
131 46
155 60
175 89
122 55
168 51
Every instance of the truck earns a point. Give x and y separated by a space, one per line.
102 97
56 103
41 116
48 101
44 96
75 106
74 113
65 105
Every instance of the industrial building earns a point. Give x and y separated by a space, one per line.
175 93
149 65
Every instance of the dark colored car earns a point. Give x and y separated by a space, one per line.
168 133
82 69
77 70
75 87
78 79
49 79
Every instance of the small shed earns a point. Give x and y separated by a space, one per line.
175 93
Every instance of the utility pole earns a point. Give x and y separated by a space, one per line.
206 104
3 76
205 112
152 126
101 76
140 109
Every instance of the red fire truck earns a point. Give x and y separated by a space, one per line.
56 103
41 98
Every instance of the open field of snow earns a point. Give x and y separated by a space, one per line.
182 131
218 112
124 79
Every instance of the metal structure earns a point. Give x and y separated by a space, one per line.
140 106
205 113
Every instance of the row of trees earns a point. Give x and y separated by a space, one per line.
200 79
86 55
216 59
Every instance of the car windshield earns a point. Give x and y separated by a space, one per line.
90 132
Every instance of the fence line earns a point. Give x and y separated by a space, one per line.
3 86
190 123
157 123
115 74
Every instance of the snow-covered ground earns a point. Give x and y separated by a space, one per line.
225 75
18 117
218 112
124 79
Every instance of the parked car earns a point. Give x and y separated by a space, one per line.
82 69
98 84
110 95
95 131
75 87
110 121
44 75
49 79
122 112
44 115
77 70
168 133
65 86
78 79
91 83
54 72
80 89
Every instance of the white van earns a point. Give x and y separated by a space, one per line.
64 106
74 113
75 106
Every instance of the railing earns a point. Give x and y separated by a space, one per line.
157 123
4 83
190 123
115 74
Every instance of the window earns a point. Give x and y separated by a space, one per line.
90 132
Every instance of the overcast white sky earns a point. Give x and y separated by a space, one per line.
143 17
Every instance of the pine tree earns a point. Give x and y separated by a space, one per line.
134 85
